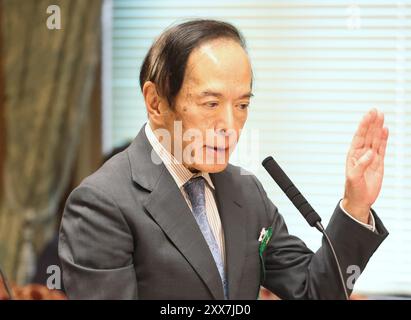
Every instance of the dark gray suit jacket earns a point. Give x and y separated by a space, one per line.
127 233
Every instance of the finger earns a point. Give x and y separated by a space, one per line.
370 131
362 163
377 134
383 145
359 136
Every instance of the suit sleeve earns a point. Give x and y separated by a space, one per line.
292 271
96 248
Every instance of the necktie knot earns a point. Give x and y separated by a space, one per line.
195 189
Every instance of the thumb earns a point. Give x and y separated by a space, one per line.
362 163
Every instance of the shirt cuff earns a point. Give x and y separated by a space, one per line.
371 220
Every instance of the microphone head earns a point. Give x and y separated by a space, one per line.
266 160
277 173
291 191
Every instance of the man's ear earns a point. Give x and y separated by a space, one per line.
157 106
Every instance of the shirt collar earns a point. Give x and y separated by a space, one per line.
177 170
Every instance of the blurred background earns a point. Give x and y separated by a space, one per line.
69 99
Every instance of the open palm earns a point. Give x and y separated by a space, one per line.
365 163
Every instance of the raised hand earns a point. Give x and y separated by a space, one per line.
365 165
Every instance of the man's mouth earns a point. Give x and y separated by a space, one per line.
217 149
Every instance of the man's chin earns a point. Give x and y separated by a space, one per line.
210 168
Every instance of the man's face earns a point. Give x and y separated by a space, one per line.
212 105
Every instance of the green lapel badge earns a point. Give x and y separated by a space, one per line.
264 238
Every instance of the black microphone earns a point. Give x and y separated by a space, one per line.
5 284
309 214
292 193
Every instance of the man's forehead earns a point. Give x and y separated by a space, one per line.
218 68
201 87
216 54
209 53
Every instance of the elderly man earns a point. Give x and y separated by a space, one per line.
169 218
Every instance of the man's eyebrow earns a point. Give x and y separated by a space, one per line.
208 93
211 93
247 95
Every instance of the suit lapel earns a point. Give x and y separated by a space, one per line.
233 219
168 208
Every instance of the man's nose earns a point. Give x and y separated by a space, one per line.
226 121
